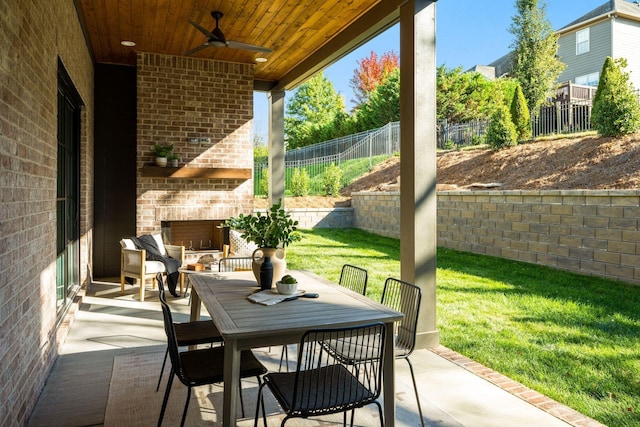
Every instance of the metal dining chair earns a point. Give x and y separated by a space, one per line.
200 367
404 297
323 384
354 278
351 277
188 333
235 264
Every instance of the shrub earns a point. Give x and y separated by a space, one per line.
299 183
264 181
616 110
520 115
331 182
501 132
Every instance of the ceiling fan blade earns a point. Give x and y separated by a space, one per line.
203 30
196 49
239 45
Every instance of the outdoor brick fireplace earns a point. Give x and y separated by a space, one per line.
204 109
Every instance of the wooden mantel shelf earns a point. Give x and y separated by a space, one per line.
195 173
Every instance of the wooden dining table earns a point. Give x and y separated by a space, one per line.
246 325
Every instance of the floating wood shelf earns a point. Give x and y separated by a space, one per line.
195 173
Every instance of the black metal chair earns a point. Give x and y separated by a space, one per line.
200 367
351 277
404 297
322 383
354 278
235 264
189 333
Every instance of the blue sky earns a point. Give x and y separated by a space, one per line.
468 32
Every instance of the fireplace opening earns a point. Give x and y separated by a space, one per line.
196 235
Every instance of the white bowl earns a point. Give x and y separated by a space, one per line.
286 288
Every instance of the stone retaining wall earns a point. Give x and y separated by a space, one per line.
585 231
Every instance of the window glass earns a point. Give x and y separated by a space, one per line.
588 79
582 41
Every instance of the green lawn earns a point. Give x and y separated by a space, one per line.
573 338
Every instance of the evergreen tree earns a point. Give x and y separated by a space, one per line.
520 115
311 111
615 110
501 132
535 64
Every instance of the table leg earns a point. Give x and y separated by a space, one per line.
195 305
389 379
231 383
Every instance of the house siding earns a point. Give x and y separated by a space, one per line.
34 36
586 63
626 40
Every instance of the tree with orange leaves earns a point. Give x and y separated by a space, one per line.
370 73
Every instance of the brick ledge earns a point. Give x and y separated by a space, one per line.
530 396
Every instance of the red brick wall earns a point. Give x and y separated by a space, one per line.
34 35
182 98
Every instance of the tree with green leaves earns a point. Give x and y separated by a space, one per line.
616 111
383 104
535 62
520 115
463 96
370 73
311 111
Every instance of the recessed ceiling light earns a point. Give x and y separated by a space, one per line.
127 43
261 59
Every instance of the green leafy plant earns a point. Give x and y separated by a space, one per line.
501 132
299 183
616 111
273 230
331 183
520 115
162 150
263 185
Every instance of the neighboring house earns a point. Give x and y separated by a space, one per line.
612 29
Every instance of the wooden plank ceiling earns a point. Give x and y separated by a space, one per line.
295 31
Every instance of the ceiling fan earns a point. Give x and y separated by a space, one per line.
215 38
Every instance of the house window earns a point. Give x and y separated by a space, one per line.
588 79
582 41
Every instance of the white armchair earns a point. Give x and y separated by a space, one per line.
133 262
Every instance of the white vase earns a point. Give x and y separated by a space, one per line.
161 161
277 257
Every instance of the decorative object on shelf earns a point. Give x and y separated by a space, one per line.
272 233
161 152
174 159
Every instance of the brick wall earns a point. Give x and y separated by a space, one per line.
588 232
34 35
181 98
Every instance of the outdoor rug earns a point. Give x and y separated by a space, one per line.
133 400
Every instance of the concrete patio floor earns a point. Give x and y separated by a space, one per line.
454 391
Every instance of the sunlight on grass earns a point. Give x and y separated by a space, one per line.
573 338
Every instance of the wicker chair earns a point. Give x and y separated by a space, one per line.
404 297
322 384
